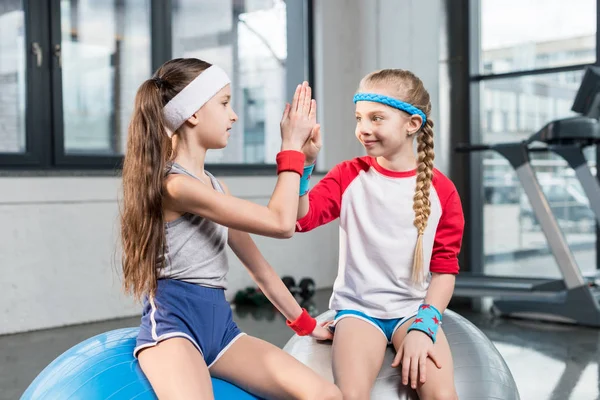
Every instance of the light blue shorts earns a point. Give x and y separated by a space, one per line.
387 326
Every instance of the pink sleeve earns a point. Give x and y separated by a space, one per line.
325 201
448 237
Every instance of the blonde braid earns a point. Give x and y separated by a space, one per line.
409 88
422 203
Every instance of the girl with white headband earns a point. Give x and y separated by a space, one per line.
176 222
401 225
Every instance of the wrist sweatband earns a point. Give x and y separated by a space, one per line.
304 180
290 160
304 324
427 321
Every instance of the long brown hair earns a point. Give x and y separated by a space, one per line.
149 149
409 88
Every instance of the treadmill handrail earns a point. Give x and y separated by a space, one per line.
467 148
517 154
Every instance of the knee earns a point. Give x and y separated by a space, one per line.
329 391
443 394
355 394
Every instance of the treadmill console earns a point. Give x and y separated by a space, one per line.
575 130
587 99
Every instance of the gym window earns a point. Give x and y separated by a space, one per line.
524 73
69 70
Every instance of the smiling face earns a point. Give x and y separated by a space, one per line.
384 130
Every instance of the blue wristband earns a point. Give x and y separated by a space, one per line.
427 321
305 178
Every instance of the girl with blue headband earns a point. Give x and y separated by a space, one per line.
401 226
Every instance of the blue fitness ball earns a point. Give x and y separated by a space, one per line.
103 367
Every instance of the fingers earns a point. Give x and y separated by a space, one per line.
316 136
328 325
410 370
431 354
414 367
312 113
422 364
296 98
302 103
321 333
286 112
302 98
405 370
308 100
414 371
397 359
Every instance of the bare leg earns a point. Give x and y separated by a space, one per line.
358 352
176 370
267 371
439 383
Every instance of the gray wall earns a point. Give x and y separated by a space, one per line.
58 236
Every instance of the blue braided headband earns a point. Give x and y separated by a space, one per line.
390 101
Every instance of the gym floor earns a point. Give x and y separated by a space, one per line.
548 361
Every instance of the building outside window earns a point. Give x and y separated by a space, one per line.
528 75
66 98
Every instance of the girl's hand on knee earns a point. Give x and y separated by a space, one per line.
412 354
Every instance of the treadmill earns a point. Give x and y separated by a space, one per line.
567 138
572 299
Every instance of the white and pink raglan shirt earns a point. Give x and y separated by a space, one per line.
378 237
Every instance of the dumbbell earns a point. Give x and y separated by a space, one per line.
305 289
290 283
251 296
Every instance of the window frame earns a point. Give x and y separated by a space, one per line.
44 132
472 181
36 25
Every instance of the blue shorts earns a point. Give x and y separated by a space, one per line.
387 326
197 313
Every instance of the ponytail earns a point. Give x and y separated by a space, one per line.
148 150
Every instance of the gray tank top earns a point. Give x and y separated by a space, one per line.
195 246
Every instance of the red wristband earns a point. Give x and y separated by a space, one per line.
304 324
290 160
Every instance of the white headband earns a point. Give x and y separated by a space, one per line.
193 97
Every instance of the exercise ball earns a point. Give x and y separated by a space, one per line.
103 367
480 372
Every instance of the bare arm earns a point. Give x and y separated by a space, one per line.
440 290
322 204
263 274
184 194
267 279
277 219
269 282
444 260
303 206
416 348
311 150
